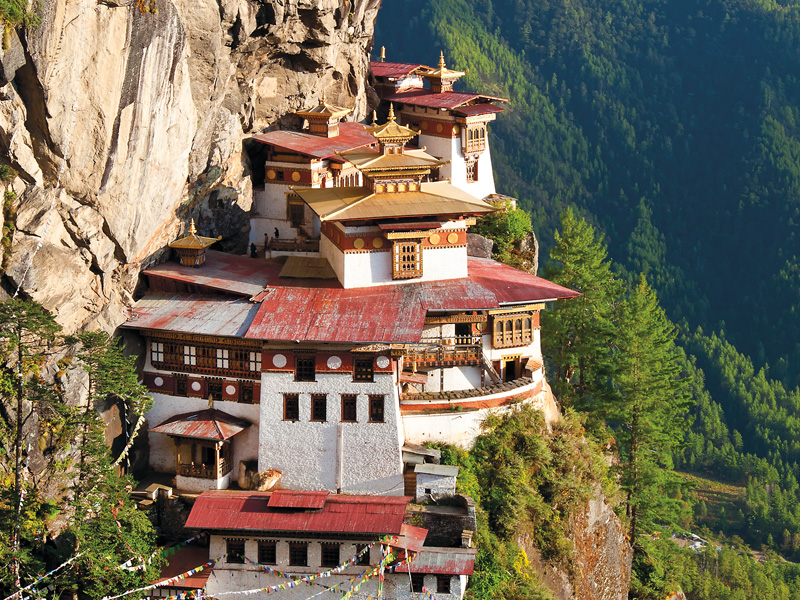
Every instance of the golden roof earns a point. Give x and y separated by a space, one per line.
442 72
434 198
375 161
193 241
391 132
324 110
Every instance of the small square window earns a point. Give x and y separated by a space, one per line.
181 385
443 584
223 358
235 551
376 409
349 408
305 368
330 555
291 407
214 389
298 554
417 582
190 356
362 550
319 407
363 369
267 552
246 392
255 362
157 352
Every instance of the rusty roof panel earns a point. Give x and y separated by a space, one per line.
441 99
187 313
295 499
231 273
512 286
351 136
393 70
411 538
210 424
442 561
477 109
341 514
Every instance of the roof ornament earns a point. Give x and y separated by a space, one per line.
374 118
191 248
192 229
441 60
324 100
391 116
383 53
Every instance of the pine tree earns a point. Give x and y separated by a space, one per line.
651 401
579 331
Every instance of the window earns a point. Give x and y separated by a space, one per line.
363 369
330 555
298 554
190 355
208 457
472 170
362 551
512 330
223 358
157 352
376 409
417 582
267 552
443 584
246 392
181 385
235 551
166 353
319 407
305 368
296 213
214 389
406 259
255 362
291 407
349 408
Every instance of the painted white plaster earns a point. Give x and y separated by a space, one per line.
456 170
199 484
534 349
305 451
366 269
429 485
461 378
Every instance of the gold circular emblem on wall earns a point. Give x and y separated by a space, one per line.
455 129
452 238
377 242
423 125
270 174
438 128
295 176
434 239
315 177
358 244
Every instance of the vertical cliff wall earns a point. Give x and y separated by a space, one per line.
123 121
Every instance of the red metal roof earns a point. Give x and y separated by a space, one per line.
235 274
351 136
185 559
478 109
411 538
409 226
209 424
393 70
440 100
188 313
442 561
297 499
512 286
341 514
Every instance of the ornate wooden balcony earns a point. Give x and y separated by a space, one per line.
448 352
205 471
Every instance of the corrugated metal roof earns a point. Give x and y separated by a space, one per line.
351 136
231 273
183 560
442 470
342 514
477 109
512 286
297 499
442 561
209 424
441 99
411 538
189 313
410 159
393 69
409 226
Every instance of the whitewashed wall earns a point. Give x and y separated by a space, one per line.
456 171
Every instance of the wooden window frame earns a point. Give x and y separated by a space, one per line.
182 386
363 559
327 552
364 368
216 384
305 368
407 259
443 584
512 330
247 392
417 582
270 548
374 410
319 407
291 407
296 551
471 165
234 557
255 361
346 415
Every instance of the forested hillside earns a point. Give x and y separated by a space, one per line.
674 128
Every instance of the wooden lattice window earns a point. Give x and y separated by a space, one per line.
363 369
472 170
246 392
376 409
362 551
214 388
255 361
267 552
319 407
305 368
443 584
349 408
407 259
512 330
298 554
330 554
291 407
181 385
235 551
417 582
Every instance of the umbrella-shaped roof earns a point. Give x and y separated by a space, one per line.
210 424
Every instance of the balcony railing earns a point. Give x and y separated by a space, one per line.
295 245
205 471
448 352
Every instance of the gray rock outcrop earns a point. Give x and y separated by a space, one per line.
123 120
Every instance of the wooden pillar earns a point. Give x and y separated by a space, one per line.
177 455
218 466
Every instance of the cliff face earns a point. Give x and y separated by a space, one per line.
123 123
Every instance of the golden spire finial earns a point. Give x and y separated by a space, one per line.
324 99
374 118
383 53
192 230
391 112
441 59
